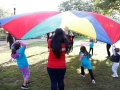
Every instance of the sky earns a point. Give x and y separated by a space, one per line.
24 6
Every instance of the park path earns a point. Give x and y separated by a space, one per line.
45 39
26 41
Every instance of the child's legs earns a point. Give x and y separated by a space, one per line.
91 74
82 70
26 74
114 68
90 50
72 45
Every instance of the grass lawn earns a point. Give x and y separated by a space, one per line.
37 53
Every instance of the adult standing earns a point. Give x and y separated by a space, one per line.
10 39
108 49
56 66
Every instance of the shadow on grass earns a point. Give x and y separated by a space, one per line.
11 78
35 55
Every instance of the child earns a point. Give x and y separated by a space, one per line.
85 63
71 37
116 53
91 45
18 53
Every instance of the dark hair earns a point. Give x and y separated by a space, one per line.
116 51
84 50
9 35
16 46
57 40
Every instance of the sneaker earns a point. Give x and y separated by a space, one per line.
10 60
24 87
82 75
28 83
115 76
93 81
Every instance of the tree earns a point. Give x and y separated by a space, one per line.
79 5
4 12
108 6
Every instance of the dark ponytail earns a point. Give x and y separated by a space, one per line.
13 51
56 43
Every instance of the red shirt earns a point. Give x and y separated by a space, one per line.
53 62
71 39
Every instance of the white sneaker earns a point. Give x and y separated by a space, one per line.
115 76
93 81
82 75
10 60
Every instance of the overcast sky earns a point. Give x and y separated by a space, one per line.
23 6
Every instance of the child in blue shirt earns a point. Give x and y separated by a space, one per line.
86 63
18 53
91 45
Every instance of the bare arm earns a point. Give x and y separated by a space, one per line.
113 49
66 30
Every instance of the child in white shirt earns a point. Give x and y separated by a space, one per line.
116 53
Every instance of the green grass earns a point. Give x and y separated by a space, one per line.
37 53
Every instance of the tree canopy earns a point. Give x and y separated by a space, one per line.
108 5
109 8
4 12
79 5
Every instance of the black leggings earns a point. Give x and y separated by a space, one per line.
90 50
71 46
90 72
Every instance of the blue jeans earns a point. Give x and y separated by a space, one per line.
57 78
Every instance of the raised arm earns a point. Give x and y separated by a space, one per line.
66 30
113 49
22 43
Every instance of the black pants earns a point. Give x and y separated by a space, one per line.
71 46
56 78
90 50
90 72
10 44
108 48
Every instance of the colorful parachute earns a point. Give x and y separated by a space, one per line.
36 24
